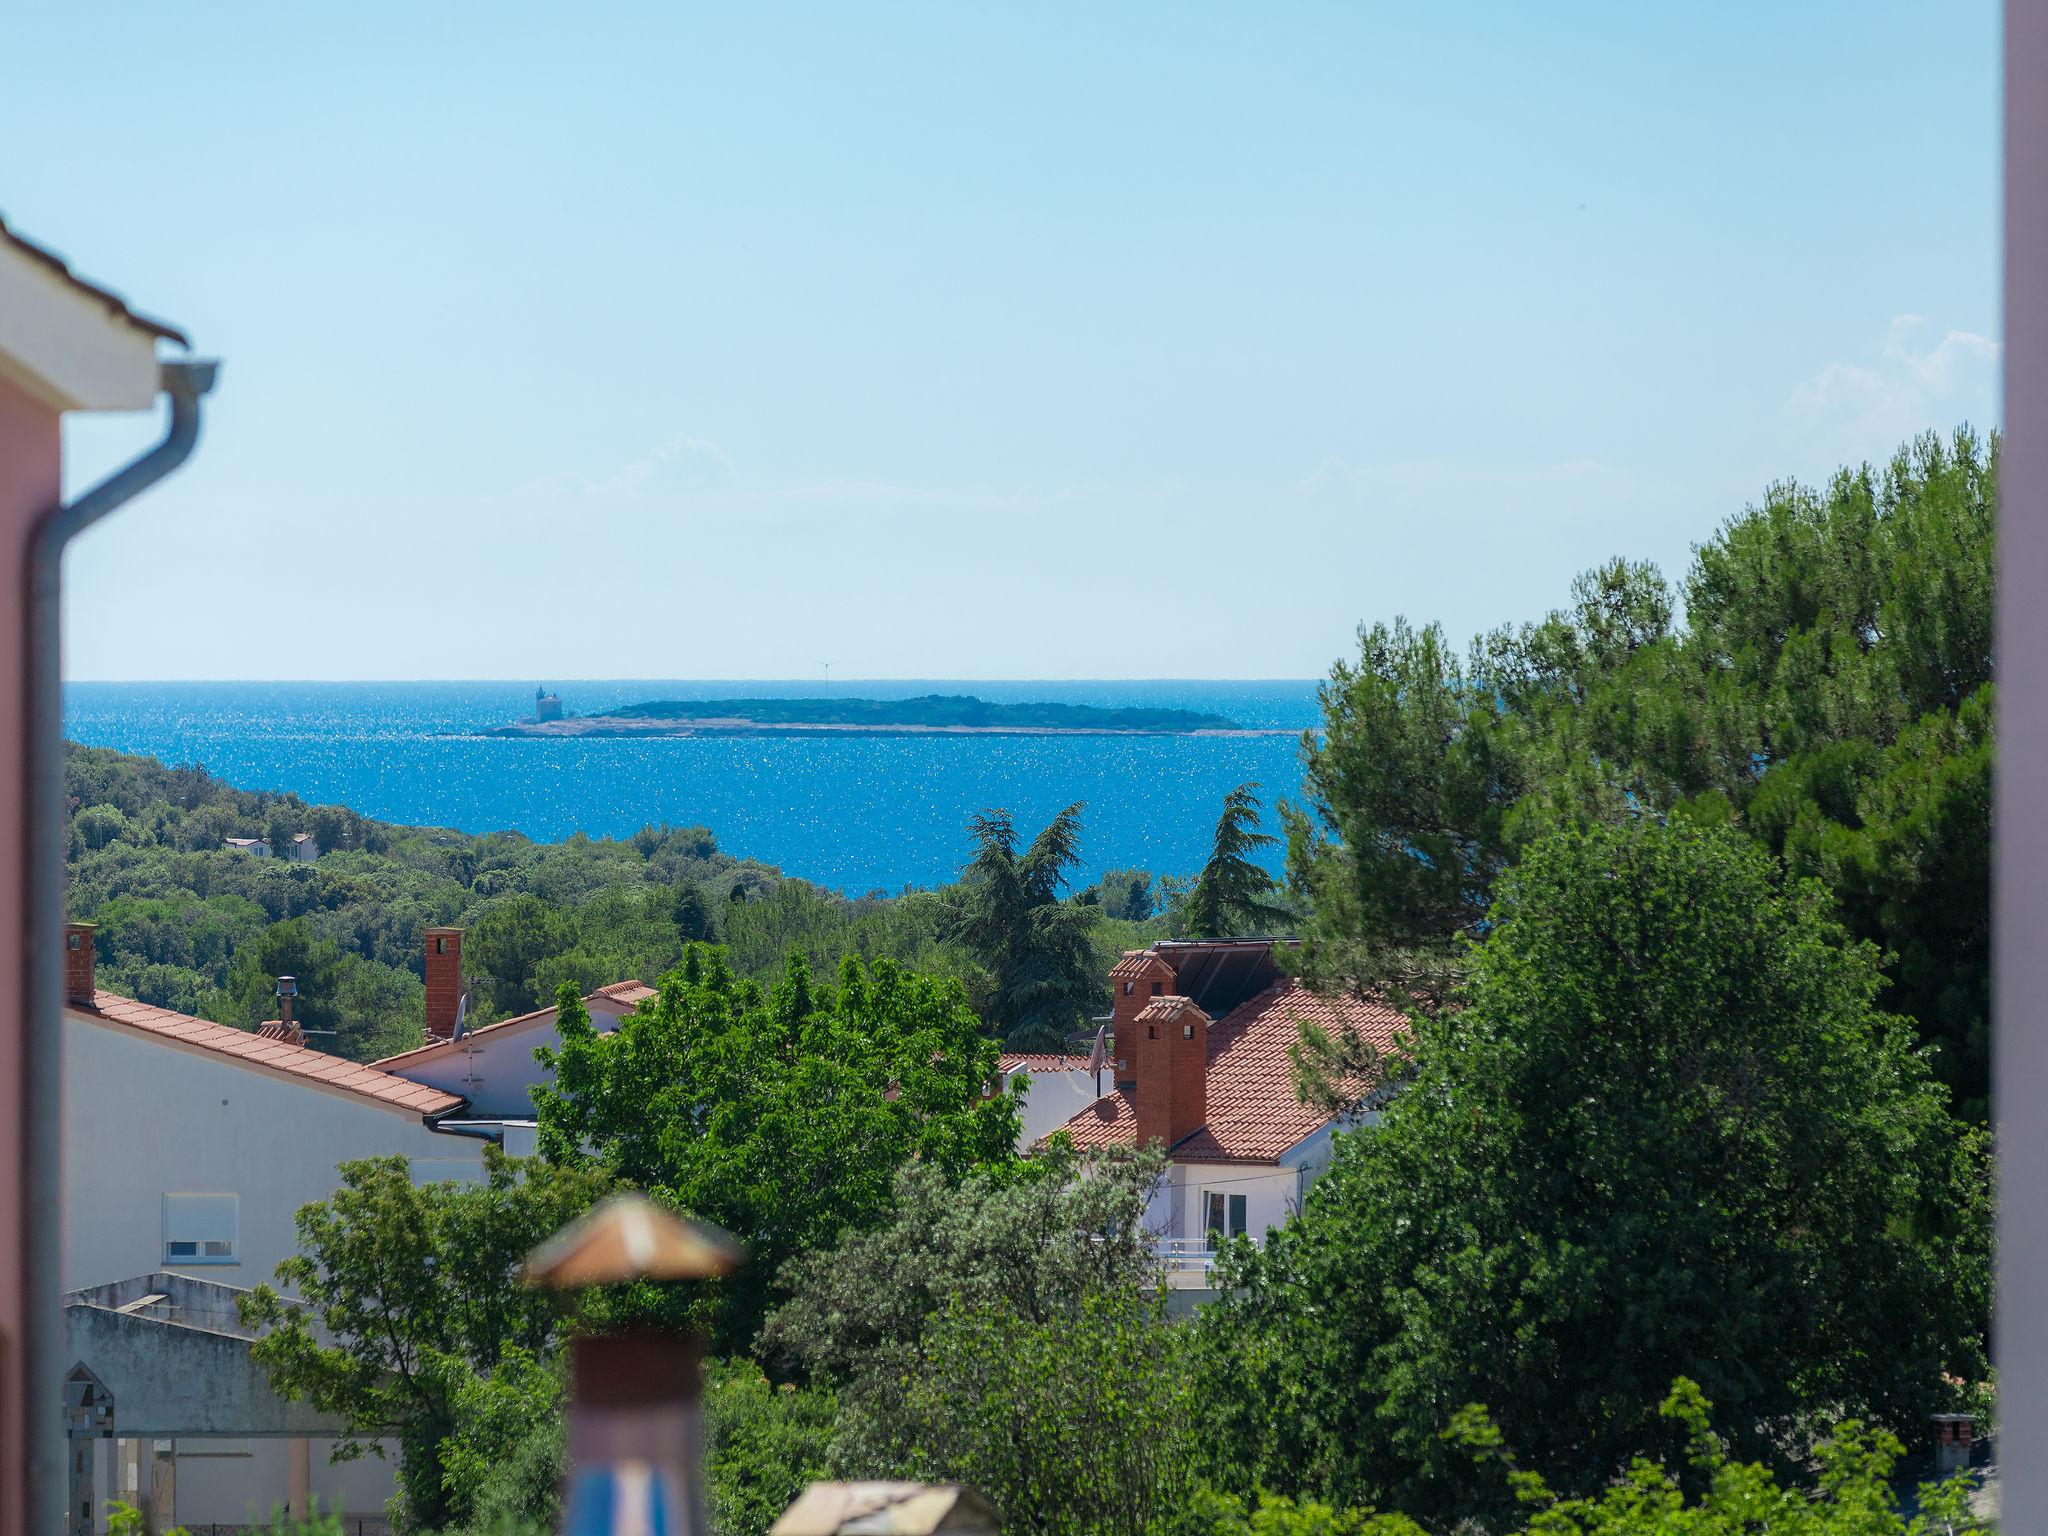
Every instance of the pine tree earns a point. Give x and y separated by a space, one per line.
1233 895
1035 950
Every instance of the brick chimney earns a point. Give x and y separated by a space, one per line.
1172 1048
78 958
444 981
1137 978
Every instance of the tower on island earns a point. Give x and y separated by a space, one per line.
546 706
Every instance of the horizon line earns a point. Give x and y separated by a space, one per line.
570 682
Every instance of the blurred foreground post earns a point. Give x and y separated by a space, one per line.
635 1442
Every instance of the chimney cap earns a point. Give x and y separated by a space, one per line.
287 986
629 1237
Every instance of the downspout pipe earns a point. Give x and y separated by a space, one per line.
185 384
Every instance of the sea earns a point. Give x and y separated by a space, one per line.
857 814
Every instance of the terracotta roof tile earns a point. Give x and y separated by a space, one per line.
1255 1113
1043 1061
251 1049
1138 964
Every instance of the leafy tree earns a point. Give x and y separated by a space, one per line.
1403 828
1083 1424
763 1445
1828 692
1716 1496
1125 895
509 945
1233 895
290 949
1035 1239
782 1117
411 1297
503 1460
1668 1132
1033 948
380 1010
1711 1495
692 915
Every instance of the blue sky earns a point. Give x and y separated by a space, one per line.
1050 341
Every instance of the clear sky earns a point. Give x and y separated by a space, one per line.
622 340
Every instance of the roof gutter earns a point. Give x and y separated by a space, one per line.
184 383
443 1126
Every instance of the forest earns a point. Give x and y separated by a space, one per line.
188 923
1675 1216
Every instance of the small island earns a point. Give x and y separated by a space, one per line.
932 714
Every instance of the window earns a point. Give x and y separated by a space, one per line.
1224 1216
1130 987
200 1229
1158 987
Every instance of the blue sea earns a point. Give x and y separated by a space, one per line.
857 813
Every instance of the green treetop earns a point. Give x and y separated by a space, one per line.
781 1116
1669 1132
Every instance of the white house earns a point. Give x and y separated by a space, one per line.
255 847
491 1067
1203 1066
188 1148
304 848
1058 1086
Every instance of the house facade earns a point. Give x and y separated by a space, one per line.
491 1066
188 1148
1203 1066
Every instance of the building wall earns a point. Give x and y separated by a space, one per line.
1273 1193
143 1118
495 1069
232 1482
1053 1099
31 458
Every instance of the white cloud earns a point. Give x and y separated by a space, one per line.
1863 410
681 463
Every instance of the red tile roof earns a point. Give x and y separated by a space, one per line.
249 1049
287 1030
1138 964
629 993
1255 1112
1043 1061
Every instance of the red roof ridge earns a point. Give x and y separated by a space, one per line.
247 1048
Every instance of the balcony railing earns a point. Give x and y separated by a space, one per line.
1187 1261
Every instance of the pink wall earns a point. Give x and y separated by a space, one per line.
31 456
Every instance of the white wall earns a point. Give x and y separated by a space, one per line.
494 1069
1053 1099
1273 1194
1176 1210
232 1482
144 1117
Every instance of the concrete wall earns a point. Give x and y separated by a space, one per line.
494 1069
145 1117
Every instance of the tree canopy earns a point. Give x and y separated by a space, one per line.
413 1306
1668 1131
1233 895
1041 973
780 1115
1827 692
